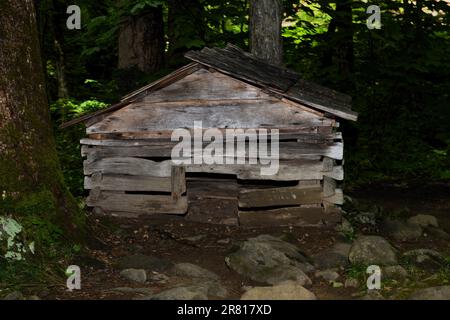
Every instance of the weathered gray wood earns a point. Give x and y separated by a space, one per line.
178 182
291 216
206 85
129 166
287 150
272 197
138 203
307 169
329 187
128 183
336 198
141 116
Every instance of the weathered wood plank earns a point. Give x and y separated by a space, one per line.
336 198
206 85
291 216
128 183
138 203
129 166
307 169
286 150
140 116
272 197
178 182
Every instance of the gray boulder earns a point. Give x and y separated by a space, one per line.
289 290
269 260
368 250
426 259
328 274
433 293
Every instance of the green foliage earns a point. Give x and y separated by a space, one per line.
67 141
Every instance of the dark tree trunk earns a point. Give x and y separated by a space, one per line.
265 30
344 49
28 161
339 42
184 24
141 41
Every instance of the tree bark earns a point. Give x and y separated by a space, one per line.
28 159
265 30
141 41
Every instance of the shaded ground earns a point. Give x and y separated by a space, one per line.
170 238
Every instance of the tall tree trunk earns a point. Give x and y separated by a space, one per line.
185 26
141 41
265 30
344 49
28 158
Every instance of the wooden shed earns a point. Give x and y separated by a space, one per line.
129 170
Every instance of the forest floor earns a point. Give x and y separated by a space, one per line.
176 240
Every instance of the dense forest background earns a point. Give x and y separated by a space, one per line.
398 75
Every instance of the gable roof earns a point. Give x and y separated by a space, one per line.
242 65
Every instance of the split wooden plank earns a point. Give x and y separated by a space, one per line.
128 183
258 198
138 203
290 216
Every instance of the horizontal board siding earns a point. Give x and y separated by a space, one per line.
226 114
129 183
137 203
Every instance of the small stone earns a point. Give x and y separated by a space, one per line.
34 297
424 220
195 238
400 230
224 241
394 273
137 275
193 271
368 250
336 284
15 295
433 293
329 274
289 290
334 257
373 295
157 277
351 283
